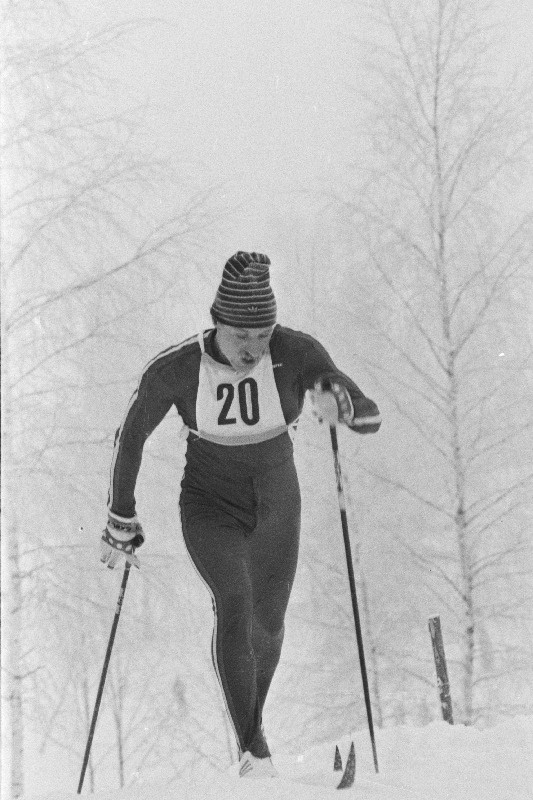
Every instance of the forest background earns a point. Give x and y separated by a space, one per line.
381 156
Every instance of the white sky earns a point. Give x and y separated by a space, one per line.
253 90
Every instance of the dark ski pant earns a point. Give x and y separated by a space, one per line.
250 572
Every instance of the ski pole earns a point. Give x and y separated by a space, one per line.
355 606
104 673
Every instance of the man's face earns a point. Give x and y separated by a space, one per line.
243 347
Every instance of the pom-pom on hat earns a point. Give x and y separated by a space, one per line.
245 298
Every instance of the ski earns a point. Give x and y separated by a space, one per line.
348 777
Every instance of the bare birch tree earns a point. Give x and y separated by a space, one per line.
86 243
440 277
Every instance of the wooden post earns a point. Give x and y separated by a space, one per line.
442 671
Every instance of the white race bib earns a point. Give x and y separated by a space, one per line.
238 408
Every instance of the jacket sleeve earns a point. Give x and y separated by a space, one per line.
318 366
148 406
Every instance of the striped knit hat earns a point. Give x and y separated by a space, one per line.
245 298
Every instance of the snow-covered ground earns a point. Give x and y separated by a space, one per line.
437 762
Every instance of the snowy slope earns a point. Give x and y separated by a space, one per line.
437 762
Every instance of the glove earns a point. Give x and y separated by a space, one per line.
332 403
120 537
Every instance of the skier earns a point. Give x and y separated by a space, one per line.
239 387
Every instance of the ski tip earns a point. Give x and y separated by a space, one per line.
348 777
337 763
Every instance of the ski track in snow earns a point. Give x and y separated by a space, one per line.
436 762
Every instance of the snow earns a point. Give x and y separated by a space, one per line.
435 762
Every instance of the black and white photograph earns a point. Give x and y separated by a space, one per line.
267 399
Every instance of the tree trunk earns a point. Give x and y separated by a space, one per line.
13 734
441 227
469 625
117 713
87 719
366 616
461 536
374 669
12 646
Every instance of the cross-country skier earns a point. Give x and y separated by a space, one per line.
238 387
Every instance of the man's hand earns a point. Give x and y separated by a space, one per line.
332 403
120 537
